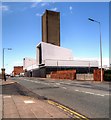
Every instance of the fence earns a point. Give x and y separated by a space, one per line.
84 77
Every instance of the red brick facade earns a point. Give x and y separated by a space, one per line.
18 70
97 74
65 74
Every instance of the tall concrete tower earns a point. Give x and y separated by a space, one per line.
51 27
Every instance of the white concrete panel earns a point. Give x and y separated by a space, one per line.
53 55
27 62
31 67
54 52
75 63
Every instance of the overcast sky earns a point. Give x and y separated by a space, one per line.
21 29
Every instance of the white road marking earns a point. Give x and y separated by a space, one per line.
90 93
57 83
37 82
64 87
68 83
76 90
108 94
99 95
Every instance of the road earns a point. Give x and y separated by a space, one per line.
88 98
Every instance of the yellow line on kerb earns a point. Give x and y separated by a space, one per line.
77 115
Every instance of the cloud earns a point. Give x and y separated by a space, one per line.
39 15
44 4
25 8
70 8
34 5
4 8
54 9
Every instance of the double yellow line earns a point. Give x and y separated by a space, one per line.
71 112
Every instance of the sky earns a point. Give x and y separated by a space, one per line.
21 29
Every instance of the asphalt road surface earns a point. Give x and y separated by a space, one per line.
88 98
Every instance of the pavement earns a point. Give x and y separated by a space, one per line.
18 102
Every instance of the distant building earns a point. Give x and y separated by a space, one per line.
50 56
29 63
17 70
51 27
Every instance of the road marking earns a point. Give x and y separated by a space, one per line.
37 82
57 83
90 93
76 90
68 83
108 94
102 95
71 112
64 87
99 95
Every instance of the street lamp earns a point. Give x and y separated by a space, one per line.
3 69
100 45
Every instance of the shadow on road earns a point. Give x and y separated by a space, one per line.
12 89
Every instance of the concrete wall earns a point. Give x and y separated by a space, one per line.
29 63
74 63
52 55
84 77
44 28
41 72
53 52
51 27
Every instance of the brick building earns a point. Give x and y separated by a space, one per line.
17 70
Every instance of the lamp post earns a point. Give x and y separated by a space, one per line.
3 69
100 44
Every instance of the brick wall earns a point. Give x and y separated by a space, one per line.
18 70
97 74
66 74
